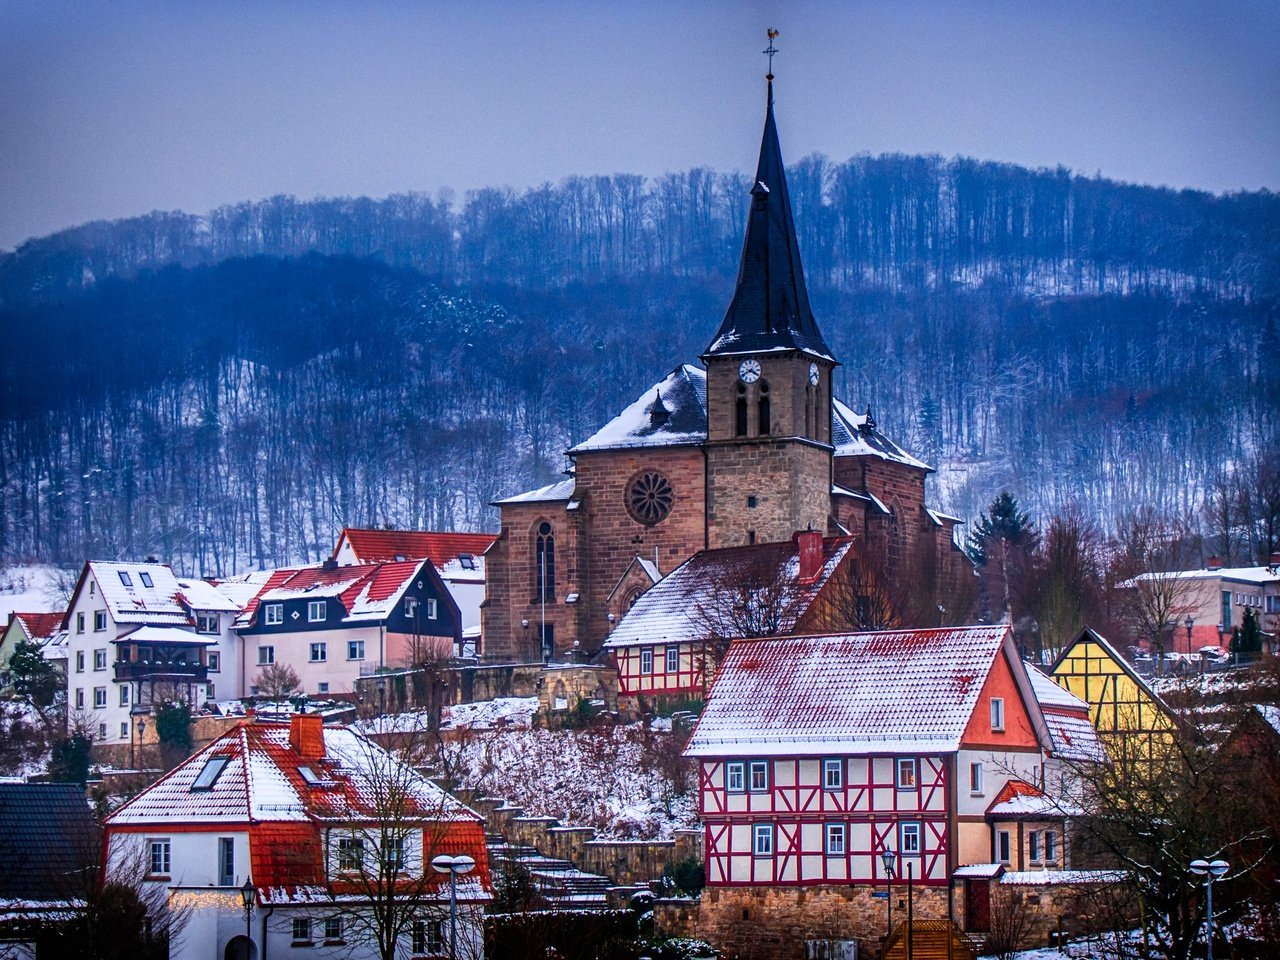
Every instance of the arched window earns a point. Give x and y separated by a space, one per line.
740 418
545 566
764 409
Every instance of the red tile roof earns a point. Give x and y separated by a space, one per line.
39 626
371 546
363 590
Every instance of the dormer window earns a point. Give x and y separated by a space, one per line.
125 579
273 614
209 774
315 611
146 579
467 561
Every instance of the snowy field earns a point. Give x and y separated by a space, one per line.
34 590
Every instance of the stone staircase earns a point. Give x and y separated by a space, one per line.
559 882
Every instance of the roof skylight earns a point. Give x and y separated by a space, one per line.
212 769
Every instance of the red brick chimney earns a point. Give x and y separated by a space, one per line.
1215 563
306 735
809 544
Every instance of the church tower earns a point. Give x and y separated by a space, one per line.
768 443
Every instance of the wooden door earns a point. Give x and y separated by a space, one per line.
977 905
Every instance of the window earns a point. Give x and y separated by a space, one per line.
266 656
350 853
393 853
1002 846
124 578
646 660
410 607
1225 625
740 413
79 623
997 713
79 698
102 731
467 561
100 659
99 698
160 858
323 687
80 659
906 774
1033 846
544 587
832 774
1273 604
93 588
209 773
1050 846
124 695
765 419
273 614
835 839
319 652
975 778
428 936
673 659
206 623
226 861
909 839
433 608
355 649
315 611
215 661
99 620
124 730
762 840
301 929
208 691
735 776
333 928
759 775
146 579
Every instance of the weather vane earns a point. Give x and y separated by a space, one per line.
771 51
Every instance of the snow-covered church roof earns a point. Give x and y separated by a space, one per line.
673 412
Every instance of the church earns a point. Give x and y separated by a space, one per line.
750 447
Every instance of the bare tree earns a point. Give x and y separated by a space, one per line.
1064 591
278 681
1149 593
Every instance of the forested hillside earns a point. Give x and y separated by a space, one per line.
229 390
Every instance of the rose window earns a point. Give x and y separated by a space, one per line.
649 497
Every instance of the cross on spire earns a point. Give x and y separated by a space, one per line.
770 51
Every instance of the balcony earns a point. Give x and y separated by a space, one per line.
127 670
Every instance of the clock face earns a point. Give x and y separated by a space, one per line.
749 371
813 374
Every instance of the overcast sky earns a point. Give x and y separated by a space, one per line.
109 109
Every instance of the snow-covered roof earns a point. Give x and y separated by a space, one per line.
443 549
1270 713
673 412
1258 576
125 590
243 587
1073 735
682 606
366 591
1051 878
942 519
167 636
1050 694
855 435
203 595
893 691
1018 799
551 493
978 870
39 627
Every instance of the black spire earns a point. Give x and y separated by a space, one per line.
770 307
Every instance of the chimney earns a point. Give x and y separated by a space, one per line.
330 564
809 545
1215 563
306 735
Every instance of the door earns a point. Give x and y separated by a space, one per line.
977 905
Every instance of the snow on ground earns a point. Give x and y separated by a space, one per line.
484 715
24 746
33 590
628 782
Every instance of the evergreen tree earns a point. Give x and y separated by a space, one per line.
1247 638
34 677
1002 544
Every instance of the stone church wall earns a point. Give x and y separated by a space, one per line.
770 488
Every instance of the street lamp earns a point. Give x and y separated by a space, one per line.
888 857
246 897
382 695
142 727
1189 623
1209 870
453 866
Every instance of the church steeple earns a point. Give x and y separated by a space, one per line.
770 307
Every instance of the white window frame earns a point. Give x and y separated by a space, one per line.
758 784
646 660
266 655
208 623
997 714
79 698
1004 847
99 698
975 778
226 861
322 686
433 608
350 854
124 729
1033 846
672 657
910 838
215 661
735 776
102 731
911 767
80 659
1051 850
273 614
80 622
835 839
762 839
355 649
832 773
99 621
317 610
159 857
319 651
99 658
124 694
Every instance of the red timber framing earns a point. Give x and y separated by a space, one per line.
642 670
821 820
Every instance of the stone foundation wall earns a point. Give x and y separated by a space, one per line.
561 686
1046 909
773 923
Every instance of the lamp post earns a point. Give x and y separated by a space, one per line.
382 694
1209 870
453 866
888 857
246 897
911 917
142 728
